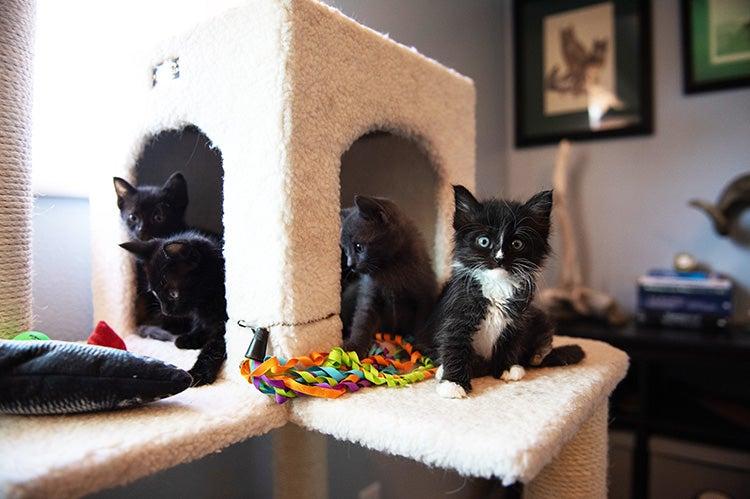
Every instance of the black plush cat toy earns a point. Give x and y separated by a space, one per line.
185 273
484 322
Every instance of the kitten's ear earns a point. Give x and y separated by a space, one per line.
541 204
176 188
123 189
467 206
141 249
345 212
371 209
180 250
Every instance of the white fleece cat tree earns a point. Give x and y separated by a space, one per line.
283 88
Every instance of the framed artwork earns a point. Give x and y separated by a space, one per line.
715 44
582 69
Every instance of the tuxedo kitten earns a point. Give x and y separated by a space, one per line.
185 273
151 211
395 287
484 322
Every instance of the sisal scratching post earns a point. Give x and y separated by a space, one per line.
16 43
300 462
580 470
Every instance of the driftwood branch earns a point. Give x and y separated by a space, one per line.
572 299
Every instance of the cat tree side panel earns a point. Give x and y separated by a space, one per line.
347 80
229 85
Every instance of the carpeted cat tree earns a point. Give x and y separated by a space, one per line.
283 88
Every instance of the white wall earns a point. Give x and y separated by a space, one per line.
632 193
62 268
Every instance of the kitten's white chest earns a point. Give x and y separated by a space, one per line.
498 288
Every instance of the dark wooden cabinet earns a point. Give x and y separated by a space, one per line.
690 385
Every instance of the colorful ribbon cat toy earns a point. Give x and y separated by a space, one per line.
392 362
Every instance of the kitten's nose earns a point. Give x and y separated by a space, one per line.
349 262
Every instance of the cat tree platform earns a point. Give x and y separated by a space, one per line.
70 456
509 431
548 430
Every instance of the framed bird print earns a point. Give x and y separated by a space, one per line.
582 69
715 44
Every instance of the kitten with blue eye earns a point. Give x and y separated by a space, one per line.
153 212
394 287
485 322
185 274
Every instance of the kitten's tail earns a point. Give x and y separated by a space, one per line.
565 355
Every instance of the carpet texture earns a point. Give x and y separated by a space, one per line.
507 430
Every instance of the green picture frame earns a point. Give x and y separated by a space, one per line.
572 55
715 44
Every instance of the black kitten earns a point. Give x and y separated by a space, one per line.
396 287
151 211
185 273
484 322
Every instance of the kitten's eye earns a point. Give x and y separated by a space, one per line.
358 248
158 215
516 244
174 294
483 242
132 218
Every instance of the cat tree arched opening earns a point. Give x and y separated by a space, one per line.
191 152
283 88
386 164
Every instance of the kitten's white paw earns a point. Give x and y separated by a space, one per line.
439 373
515 373
451 390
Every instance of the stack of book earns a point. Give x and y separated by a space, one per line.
684 299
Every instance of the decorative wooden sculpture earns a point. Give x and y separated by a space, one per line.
572 299
734 199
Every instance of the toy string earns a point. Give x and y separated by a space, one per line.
392 362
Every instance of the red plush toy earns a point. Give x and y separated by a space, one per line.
103 335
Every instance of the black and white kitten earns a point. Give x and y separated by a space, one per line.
185 273
395 288
485 322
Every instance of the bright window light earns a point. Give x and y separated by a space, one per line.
80 94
